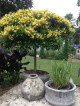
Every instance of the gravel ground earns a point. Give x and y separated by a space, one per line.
13 98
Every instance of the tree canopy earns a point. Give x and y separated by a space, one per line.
78 2
7 6
25 28
69 16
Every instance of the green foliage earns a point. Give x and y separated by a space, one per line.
65 50
5 79
27 29
45 64
78 2
33 29
42 54
31 52
61 74
69 16
7 6
9 78
71 19
10 65
71 49
45 54
77 36
58 55
50 54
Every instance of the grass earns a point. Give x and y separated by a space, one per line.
45 64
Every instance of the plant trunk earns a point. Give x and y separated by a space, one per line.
35 60
0 14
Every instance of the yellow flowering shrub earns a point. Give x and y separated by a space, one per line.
26 28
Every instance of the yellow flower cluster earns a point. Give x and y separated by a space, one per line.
56 32
66 22
30 32
34 24
50 34
72 30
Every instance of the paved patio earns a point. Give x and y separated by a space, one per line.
13 98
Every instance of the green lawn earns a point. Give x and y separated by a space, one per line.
45 64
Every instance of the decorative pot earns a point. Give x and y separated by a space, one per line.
33 88
44 76
62 97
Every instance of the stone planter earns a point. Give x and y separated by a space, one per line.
61 97
33 88
44 77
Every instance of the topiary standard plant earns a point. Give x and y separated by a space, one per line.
33 29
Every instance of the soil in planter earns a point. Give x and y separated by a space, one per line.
39 72
67 87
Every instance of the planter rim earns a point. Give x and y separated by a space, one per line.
36 70
43 76
46 73
61 90
33 76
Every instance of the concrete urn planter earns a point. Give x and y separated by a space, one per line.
33 88
62 97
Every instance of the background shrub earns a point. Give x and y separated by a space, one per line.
10 65
58 55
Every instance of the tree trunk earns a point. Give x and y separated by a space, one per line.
35 60
0 13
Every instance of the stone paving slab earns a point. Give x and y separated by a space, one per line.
13 98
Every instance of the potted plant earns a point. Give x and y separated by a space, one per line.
33 29
60 91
